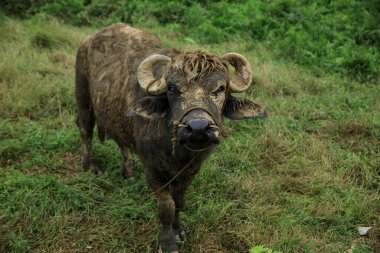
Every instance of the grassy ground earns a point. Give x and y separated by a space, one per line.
300 181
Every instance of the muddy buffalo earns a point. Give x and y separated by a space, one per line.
164 105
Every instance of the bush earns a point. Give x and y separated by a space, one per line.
335 36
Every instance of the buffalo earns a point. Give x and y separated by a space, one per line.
164 105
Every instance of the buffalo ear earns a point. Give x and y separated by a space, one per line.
152 72
240 108
150 107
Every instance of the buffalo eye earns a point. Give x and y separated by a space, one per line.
219 90
172 88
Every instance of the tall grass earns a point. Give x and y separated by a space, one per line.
300 181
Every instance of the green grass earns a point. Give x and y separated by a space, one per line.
300 181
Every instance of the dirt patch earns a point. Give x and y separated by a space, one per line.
91 234
371 240
362 145
298 186
37 170
66 164
275 151
356 137
71 164
354 129
62 59
367 146
233 242
6 163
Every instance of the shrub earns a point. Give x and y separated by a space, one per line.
335 36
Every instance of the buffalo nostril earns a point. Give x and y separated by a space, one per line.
188 130
198 124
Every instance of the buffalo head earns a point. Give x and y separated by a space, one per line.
193 90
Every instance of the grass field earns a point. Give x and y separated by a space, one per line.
301 180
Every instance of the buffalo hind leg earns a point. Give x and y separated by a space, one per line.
86 122
86 116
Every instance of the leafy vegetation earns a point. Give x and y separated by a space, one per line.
300 181
261 249
325 36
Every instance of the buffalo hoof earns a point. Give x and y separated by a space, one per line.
161 251
167 242
94 167
180 237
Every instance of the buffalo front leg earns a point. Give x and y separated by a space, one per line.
178 193
166 213
127 169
